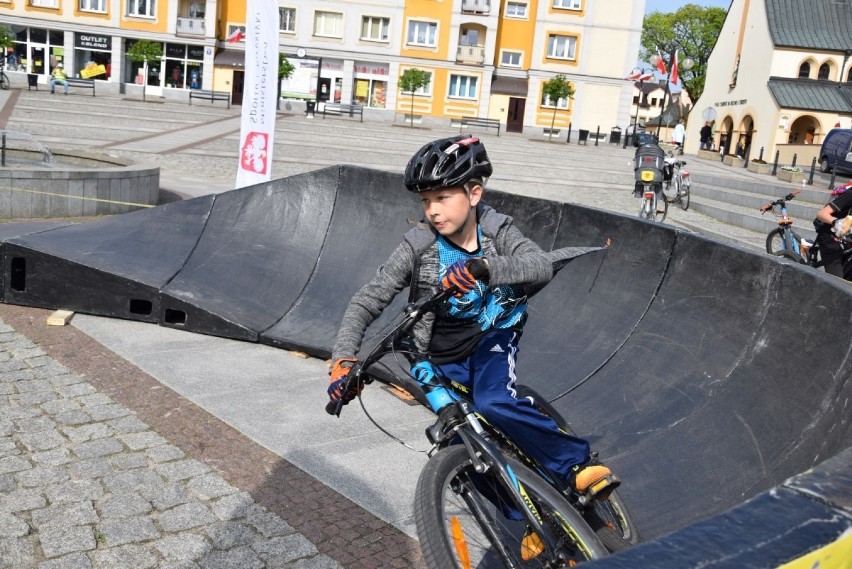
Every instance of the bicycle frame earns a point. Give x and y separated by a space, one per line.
789 241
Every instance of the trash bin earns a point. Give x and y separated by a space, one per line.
584 136
615 136
311 108
32 81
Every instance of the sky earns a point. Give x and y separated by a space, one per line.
673 5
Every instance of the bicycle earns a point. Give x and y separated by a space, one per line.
648 175
480 500
681 180
783 241
655 206
5 84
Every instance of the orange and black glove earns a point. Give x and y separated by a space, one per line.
337 381
464 274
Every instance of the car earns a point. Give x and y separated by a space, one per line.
836 151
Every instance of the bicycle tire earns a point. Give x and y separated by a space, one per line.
662 208
790 256
449 485
776 244
5 84
684 196
610 519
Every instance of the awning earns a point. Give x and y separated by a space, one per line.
811 95
509 86
230 58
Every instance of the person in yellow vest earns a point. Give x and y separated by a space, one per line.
58 77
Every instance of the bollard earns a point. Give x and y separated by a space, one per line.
747 154
793 165
813 168
625 137
833 174
597 134
775 166
3 161
761 154
568 141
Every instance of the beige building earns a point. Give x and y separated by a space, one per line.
778 75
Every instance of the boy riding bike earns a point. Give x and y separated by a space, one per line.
833 223
494 268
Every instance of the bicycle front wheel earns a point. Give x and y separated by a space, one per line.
5 84
465 519
776 243
684 194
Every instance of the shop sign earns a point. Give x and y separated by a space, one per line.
175 50
93 71
371 68
196 52
91 41
731 103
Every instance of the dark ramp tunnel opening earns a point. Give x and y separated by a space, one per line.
705 375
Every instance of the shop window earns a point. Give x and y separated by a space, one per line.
425 89
824 71
133 69
328 24
287 19
147 8
568 4
422 33
371 93
374 29
93 64
561 47
805 70
462 86
93 6
516 10
511 58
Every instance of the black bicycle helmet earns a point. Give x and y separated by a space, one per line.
446 163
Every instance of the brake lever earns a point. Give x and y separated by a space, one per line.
335 407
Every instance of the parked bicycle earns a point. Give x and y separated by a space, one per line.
783 241
5 84
481 501
648 175
678 177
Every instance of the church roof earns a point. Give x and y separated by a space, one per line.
810 95
822 25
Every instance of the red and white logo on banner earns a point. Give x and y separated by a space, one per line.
254 153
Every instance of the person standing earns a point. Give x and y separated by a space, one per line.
58 77
706 137
679 136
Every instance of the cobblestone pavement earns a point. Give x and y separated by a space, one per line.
88 481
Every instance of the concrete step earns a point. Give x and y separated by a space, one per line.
796 208
746 217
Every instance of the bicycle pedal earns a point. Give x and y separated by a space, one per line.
601 489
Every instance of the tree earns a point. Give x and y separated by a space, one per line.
285 68
142 52
7 38
693 30
410 81
555 89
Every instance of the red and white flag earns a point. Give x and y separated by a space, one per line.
238 35
673 77
260 90
639 76
660 65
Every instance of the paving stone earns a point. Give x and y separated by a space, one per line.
13 464
12 526
184 547
166 496
317 562
105 412
143 440
233 507
128 424
135 556
58 406
164 453
59 540
42 476
73 418
51 370
55 457
7 483
33 385
242 557
13 413
186 516
269 524
88 432
123 506
95 399
93 468
33 398
209 486
131 530
129 461
42 440
77 514
61 376
75 491
100 447
19 373
30 353
180 565
225 535
9 448
278 551
22 500
16 553
35 424
182 469
142 481
7 388
75 389
70 561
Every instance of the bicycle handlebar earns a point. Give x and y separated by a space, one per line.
780 201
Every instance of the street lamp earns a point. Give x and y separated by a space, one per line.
640 73
687 64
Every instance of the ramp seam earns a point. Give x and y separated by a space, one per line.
192 252
636 325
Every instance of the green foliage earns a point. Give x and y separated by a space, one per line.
145 50
693 30
411 80
7 38
557 88
285 68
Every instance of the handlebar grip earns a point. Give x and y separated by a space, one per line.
332 407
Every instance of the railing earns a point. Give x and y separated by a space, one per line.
472 54
476 6
190 26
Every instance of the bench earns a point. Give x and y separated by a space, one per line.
85 83
338 109
210 96
476 121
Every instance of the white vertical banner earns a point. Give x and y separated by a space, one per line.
257 128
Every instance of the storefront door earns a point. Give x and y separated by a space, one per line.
515 120
237 88
38 63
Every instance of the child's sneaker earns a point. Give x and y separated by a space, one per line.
594 479
531 545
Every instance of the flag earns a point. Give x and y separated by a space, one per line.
660 65
639 76
260 91
673 77
238 35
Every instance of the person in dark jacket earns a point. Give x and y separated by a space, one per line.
706 137
833 223
466 244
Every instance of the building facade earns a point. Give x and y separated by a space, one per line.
780 76
486 58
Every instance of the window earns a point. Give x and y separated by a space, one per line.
374 29
462 86
805 70
422 33
329 24
511 58
287 19
424 90
93 5
568 4
824 71
547 102
516 10
561 47
146 8
232 29
849 76
44 3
